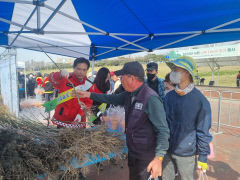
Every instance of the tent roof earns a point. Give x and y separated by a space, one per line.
103 29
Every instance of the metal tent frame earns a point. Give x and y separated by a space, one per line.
138 48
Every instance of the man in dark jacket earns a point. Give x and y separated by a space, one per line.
48 88
31 85
154 82
147 130
189 117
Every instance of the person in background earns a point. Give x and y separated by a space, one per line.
116 81
112 82
169 86
39 79
157 84
31 85
69 114
48 88
147 131
39 91
101 85
189 117
21 85
119 90
238 79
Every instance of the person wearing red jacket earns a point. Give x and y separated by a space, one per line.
70 114
39 80
48 88
101 86
238 79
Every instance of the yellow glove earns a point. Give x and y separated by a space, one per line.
202 166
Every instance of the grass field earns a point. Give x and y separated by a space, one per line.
227 74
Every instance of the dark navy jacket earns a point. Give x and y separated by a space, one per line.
189 119
140 134
161 87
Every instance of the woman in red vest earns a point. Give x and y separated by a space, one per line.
101 86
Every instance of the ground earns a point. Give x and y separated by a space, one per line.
225 165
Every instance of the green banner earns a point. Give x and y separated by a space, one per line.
50 105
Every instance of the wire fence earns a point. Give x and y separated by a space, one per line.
225 107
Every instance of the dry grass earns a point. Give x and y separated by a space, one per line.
28 148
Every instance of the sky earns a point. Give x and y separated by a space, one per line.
27 55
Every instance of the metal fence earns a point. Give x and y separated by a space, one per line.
225 107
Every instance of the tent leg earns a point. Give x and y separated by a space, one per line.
18 101
11 98
25 81
212 69
93 64
218 76
93 58
212 74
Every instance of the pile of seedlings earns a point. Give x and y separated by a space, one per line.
31 150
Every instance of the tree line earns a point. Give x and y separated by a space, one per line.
43 65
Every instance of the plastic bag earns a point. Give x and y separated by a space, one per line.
39 91
114 118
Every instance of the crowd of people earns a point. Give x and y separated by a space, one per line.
35 84
167 121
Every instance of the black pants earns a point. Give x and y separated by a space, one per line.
138 168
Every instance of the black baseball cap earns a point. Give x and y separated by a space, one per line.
152 66
132 68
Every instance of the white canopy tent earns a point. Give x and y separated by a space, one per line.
103 29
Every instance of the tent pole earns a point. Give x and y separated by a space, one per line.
93 58
29 18
212 69
16 24
25 81
197 34
218 76
93 63
17 1
95 28
18 101
212 74
129 34
53 14
52 45
38 17
124 45
11 89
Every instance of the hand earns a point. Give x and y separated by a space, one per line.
64 73
202 166
155 167
80 94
